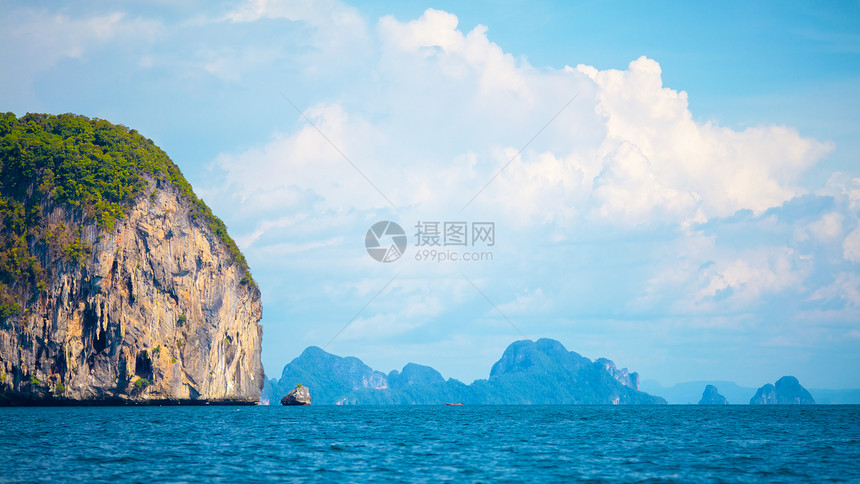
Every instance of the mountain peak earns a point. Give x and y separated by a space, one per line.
539 357
550 347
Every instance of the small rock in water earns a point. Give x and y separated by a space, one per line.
298 396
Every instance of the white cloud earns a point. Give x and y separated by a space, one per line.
828 227
703 277
763 271
629 190
457 56
303 171
844 186
626 151
851 246
845 287
338 26
41 39
442 112
681 164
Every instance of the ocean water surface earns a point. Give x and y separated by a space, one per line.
429 443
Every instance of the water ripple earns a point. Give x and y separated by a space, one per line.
423 444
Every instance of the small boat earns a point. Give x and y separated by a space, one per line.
452 404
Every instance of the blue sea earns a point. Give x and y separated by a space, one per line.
429 443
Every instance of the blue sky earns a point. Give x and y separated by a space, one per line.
691 214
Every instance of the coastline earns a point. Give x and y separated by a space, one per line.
24 401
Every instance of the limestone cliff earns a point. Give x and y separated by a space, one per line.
786 391
711 396
540 372
154 309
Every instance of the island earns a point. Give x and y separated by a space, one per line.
711 396
528 372
117 284
786 391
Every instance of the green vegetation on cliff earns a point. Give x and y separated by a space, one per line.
90 166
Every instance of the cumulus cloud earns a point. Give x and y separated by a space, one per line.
768 270
828 227
671 162
710 278
471 57
629 190
627 150
443 112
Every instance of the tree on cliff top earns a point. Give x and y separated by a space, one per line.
88 165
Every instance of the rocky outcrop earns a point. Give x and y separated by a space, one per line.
298 396
623 376
711 396
156 310
787 391
332 377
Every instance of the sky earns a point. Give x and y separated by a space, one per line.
676 188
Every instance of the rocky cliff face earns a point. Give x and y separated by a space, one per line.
623 376
766 395
156 310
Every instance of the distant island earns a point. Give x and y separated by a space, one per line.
689 393
117 284
529 372
711 396
787 391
